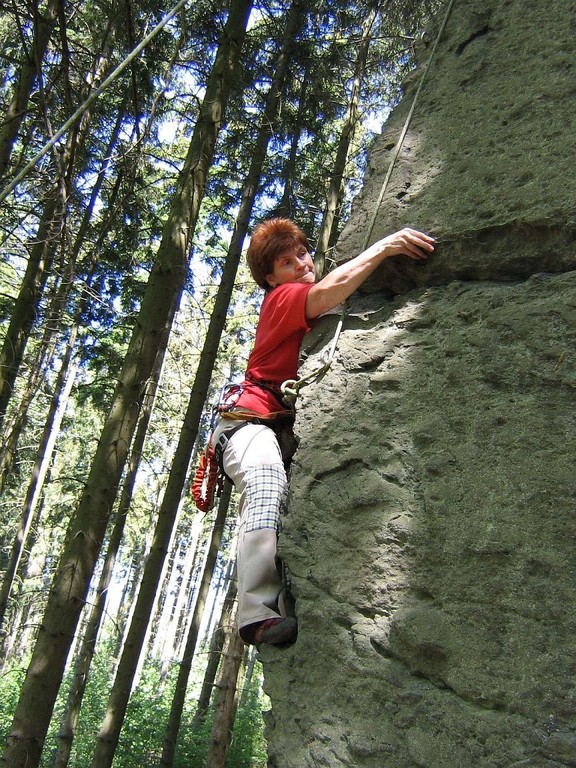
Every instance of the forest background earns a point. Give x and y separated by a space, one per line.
138 145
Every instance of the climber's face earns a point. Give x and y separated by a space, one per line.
294 265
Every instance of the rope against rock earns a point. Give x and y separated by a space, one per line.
291 388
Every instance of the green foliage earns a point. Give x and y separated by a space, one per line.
10 682
141 740
8 283
148 711
248 746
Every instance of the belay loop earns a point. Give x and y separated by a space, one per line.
208 480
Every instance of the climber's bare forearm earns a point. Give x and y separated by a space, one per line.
341 283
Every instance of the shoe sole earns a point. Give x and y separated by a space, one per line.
279 634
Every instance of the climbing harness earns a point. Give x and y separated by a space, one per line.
291 388
209 477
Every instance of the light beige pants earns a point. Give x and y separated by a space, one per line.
252 460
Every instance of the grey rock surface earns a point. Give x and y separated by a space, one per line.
431 531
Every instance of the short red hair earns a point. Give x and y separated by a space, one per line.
269 239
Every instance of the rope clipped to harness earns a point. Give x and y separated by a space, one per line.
291 387
208 480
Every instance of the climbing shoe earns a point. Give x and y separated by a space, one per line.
280 631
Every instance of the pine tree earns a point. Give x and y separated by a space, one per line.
87 529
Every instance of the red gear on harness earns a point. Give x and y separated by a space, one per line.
207 481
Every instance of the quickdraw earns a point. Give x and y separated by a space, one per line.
208 480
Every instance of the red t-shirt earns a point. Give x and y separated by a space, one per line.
274 358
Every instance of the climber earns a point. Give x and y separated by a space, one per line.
255 457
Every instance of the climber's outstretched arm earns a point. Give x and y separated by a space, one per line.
341 283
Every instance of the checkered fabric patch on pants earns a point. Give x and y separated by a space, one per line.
266 491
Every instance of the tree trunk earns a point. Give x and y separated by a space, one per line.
183 607
171 734
52 223
87 529
64 384
248 675
192 552
177 593
29 71
38 367
226 700
10 444
215 651
346 135
128 599
287 205
84 659
26 305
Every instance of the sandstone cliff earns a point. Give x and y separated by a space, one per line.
431 534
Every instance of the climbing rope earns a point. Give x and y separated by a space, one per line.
92 97
291 388
407 122
208 480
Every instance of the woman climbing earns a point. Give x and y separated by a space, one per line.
254 431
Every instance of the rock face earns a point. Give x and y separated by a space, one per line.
431 536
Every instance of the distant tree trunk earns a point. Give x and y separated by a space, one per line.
215 651
38 367
128 598
26 305
29 70
63 387
24 614
52 224
248 675
222 580
160 600
181 591
86 652
346 135
286 206
61 299
10 443
193 546
173 727
178 591
184 607
87 529
226 700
